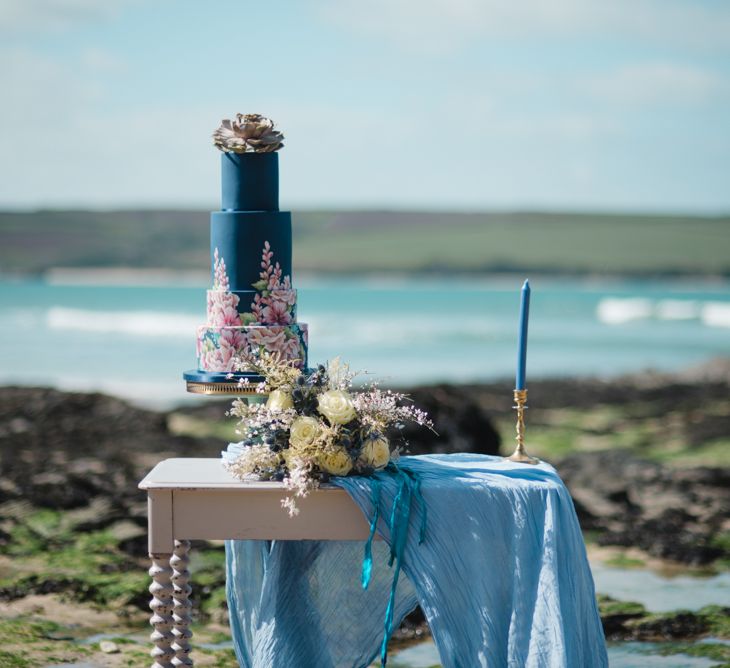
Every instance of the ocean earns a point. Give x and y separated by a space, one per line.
135 341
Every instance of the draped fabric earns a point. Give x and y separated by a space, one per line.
501 575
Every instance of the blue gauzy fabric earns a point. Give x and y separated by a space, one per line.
502 575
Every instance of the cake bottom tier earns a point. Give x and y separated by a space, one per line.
218 347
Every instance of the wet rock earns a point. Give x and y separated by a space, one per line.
125 530
616 614
54 489
413 627
672 514
675 626
74 447
85 453
109 647
624 620
460 424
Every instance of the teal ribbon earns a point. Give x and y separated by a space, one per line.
409 487
367 562
421 505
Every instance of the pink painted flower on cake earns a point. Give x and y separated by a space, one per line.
276 341
284 294
220 277
274 304
277 313
292 349
220 354
269 338
223 309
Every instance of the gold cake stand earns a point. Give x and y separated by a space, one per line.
232 389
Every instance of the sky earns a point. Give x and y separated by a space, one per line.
385 104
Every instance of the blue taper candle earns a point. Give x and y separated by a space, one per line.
522 343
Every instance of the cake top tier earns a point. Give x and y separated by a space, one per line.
249 164
250 182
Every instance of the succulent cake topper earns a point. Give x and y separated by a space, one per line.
248 133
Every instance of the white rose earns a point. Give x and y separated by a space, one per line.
376 452
335 461
337 406
303 432
279 400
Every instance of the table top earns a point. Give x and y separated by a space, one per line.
209 473
197 498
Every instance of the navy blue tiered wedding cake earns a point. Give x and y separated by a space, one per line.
251 307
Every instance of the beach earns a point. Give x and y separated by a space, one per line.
73 532
628 394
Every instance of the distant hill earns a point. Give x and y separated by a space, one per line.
382 241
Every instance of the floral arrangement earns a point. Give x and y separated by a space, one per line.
248 133
314 425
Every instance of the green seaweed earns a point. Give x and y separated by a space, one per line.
632 621
722 539
608 606
621 560
708 650
196 427
25 628
89 567
28 642
641 427
15 659
718 620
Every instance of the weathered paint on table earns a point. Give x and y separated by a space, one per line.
198 499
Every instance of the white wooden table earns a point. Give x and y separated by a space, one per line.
198 499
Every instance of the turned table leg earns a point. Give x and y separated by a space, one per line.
161 606
170 607
181 604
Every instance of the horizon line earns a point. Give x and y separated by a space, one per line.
388 209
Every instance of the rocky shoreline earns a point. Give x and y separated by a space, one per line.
644 458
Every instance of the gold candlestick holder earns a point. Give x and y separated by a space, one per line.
519 455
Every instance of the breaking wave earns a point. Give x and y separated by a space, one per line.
326 327
618 311
132 323
716 314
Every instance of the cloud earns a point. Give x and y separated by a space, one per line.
662 83
64 144
97 60
450 25
83 126
40 86
19 16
